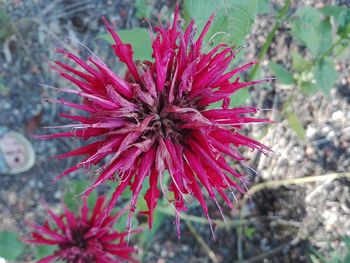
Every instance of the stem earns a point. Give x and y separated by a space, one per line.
280 16
262 256
295 181
201 220
330 50
201 241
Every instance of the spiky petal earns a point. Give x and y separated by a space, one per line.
85 237
158 119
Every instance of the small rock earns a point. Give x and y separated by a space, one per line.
40 184
163 253
57 195
310 132
31 183
338 115
12 198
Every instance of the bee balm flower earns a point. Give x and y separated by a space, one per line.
85 238
157 119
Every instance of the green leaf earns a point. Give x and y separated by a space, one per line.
147 235
333 10
143 8
325 75
140 40
263 7
237 99
122 221
6 28
241 96
142 204
314 259
304 27
336 257
311 30
295 124
241 17
282 74
249 232
10 246
215 105
127 193
200 11
340 14
344 24
299 63
44 251
325 29
4 91
233 19
341 52
72 196
308 88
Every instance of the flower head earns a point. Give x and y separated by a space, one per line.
86 237
157 118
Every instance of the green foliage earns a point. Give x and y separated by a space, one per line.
126 194
325 75
293 121
6 28
10 246
72 195
325 29
233 19
263 7
3 89
122 221
299 63
281 73
338 12
313 70
44 251
143 8
339 255
239 98
308 88
140 40
249 232
295 124
342 17
146 237
312 30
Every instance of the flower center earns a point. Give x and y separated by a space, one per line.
168 118
78 239
167 122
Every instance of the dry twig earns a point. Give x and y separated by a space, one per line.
201 241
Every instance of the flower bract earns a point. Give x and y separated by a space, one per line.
159 118
84 237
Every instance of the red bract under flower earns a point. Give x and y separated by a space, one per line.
157 119
83 238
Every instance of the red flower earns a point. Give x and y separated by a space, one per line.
157 118
83 238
